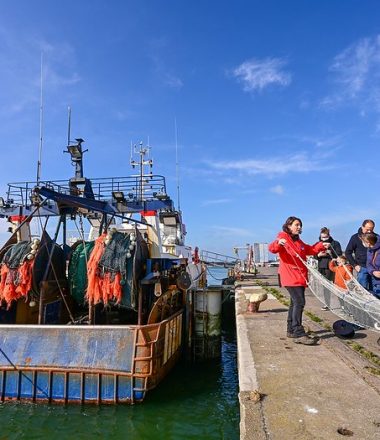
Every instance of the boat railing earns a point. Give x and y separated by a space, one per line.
133 188
148 187
215 259
19 193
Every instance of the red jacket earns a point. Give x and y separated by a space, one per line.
342 273
292 271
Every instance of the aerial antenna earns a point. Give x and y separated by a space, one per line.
68 124
41 122
176 163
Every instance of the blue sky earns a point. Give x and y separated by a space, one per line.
277 105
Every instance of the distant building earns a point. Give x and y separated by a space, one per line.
260 253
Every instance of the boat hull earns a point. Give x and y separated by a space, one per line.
87 364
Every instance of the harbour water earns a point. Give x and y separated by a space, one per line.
196 401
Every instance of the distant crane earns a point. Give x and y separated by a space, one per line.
248 263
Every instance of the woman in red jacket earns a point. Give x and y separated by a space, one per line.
293 274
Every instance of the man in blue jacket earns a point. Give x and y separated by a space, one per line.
356 254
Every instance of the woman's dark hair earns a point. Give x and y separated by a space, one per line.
289 221
325 230
370 238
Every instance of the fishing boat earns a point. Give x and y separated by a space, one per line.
98 316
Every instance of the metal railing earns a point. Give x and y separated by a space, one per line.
215 259
134 188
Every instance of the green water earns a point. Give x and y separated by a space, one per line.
196 401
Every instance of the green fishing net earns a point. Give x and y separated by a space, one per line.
120 255
78 270
16 254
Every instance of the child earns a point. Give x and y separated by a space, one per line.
342 269
372 242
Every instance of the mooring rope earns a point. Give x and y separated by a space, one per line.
35 386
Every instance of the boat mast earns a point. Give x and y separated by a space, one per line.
141 163
41 123
177 163
68 124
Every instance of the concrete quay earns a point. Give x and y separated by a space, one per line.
291 391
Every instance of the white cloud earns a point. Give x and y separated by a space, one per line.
296 163
173 81
349 215
322 147
20 73
55 79
353 64
256 74
356 71
215 202
278 189
228 230
123 115
159 52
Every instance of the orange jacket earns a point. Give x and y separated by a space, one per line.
342 274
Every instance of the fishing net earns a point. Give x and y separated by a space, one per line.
107 270
78 271
16 254
355 305
16 272
115 255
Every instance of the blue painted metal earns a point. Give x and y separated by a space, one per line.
86 364
76 201
160 263
69 346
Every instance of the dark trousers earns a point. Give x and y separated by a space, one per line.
365 279
326 272
297 304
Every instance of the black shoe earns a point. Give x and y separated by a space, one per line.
290 335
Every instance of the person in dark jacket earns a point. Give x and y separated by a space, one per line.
324 257
372 242
356 254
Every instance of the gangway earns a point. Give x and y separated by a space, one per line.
214 259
